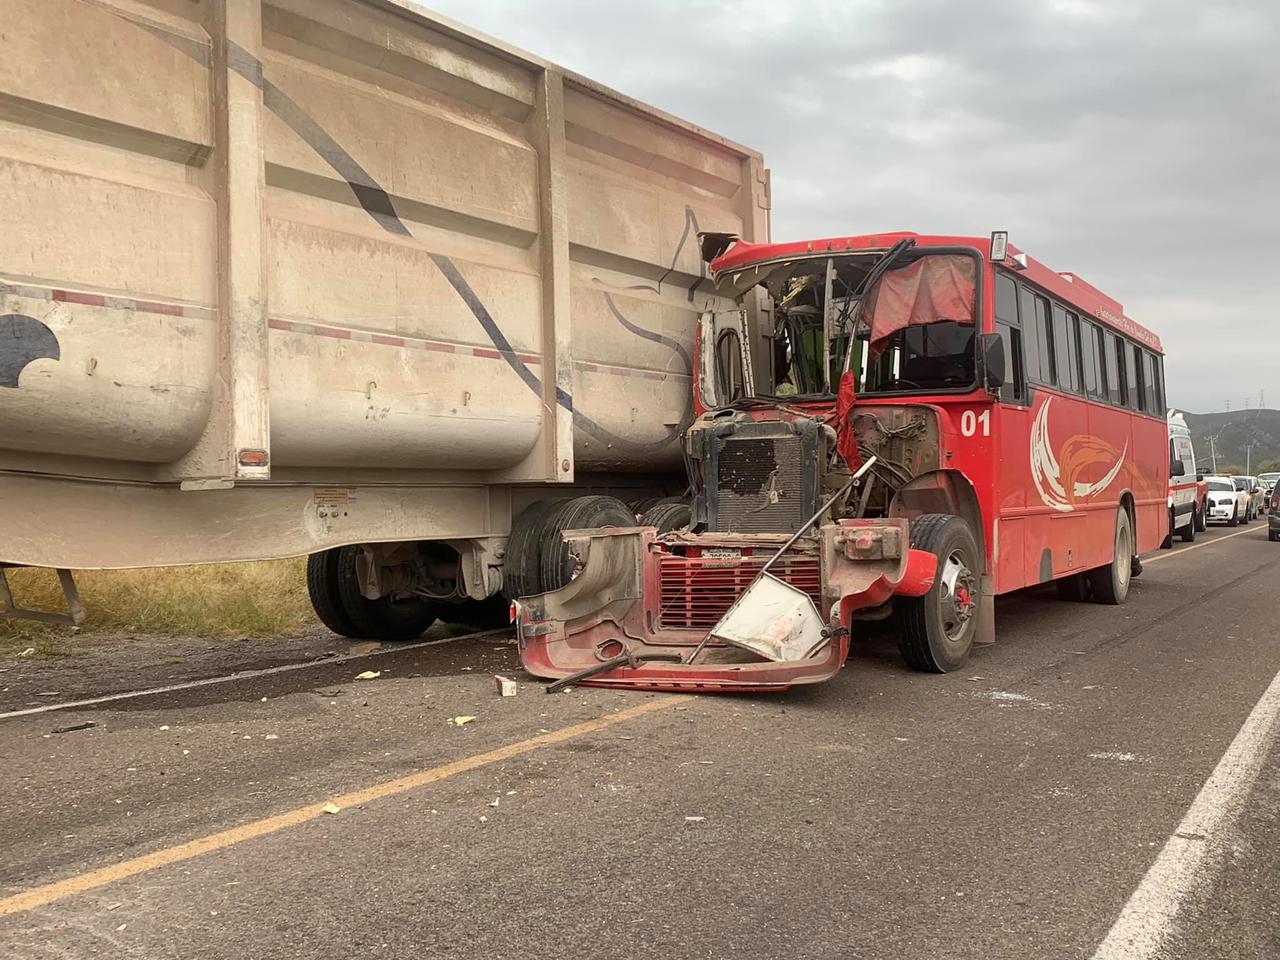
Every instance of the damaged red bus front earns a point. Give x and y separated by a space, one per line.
870 444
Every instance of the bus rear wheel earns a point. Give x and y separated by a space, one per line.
1110 584
936 631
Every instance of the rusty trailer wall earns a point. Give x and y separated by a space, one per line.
287 255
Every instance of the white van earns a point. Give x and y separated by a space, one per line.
1186 509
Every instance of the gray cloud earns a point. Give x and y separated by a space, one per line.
1136 144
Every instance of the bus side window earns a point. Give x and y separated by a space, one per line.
1158 370
1089 360
1066 350
1133 388
1115 385
1007 313
1149 386
1140 384
1015 384
729 379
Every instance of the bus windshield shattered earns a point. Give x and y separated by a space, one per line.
901 320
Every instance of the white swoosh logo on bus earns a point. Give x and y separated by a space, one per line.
1047 474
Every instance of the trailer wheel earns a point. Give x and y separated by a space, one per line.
556 564
521 576
322 588
1198 520
386 618
1111 583
936 631
667 516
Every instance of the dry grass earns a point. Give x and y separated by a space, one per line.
259 599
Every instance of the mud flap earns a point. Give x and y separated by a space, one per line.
986 632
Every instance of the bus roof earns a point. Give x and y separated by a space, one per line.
1066 286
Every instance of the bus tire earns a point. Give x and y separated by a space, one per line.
555 561
386 618
1188 533
322 588
1198 520
936 631
1110 584
1235 516
667 516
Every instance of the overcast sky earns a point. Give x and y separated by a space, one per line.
1134 143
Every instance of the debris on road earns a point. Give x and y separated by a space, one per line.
695 819
495 801
87 725
461 721
506 686
27 652
331 808
369 675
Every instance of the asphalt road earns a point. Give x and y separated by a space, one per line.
1011 810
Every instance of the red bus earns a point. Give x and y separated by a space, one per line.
1007 419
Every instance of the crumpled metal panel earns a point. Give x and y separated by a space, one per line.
775 620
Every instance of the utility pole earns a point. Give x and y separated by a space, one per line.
1213 453
1248 457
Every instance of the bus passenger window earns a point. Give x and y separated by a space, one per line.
1066 351
1014 389
1115 386
1140 384
1132 388
1151 401
1159 381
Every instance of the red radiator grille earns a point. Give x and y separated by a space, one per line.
695 592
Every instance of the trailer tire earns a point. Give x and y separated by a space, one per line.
384 618
1110 583
667 516
556 563
326 599
521 576
935 634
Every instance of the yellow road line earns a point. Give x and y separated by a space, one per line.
81 883
1197 546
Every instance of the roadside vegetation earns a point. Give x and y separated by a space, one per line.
235 600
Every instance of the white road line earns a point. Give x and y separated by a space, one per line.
1193 853
246 675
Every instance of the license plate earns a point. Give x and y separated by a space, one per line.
722 553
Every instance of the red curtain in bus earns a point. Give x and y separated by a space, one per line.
933 288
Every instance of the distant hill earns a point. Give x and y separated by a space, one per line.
1232 431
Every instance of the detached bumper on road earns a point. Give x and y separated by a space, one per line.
642 597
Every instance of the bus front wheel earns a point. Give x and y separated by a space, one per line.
1111 583
936 631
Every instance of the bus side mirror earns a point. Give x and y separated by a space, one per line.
993 360
1177 469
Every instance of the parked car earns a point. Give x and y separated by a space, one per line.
1227 503
1257 504
1273 514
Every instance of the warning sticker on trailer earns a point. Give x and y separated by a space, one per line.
331 496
